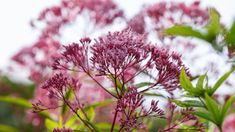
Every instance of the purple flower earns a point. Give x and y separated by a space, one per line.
74 57
168 64
58 85
132 110
118 51
103 12
137 23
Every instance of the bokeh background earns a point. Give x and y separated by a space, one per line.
16 33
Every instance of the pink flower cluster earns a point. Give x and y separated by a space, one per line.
112 56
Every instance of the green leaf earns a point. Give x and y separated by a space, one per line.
143 84
213 27
154 94
220 81
187 85
50 124
90 113
230 39
188 103
6 128
106 126
21 103
226 107
213 108
204 115
200 82
100 104
70 123
182 30
116 80
68 95
16 101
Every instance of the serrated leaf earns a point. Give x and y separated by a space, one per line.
188 103
182 30
50 124
220 81
16 101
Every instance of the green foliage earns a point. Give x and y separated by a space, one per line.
100 104
187 85
6 128
68 96
202 86
90 112
182 30
16 101
220 81
50 124
21 89
206 107
143 84
188 103
208 33
230 36
213 112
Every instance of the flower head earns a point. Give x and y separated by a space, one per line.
74 57
116 52
137 23
168 64
58 85
132 109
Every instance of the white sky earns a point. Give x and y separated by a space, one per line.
15 15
